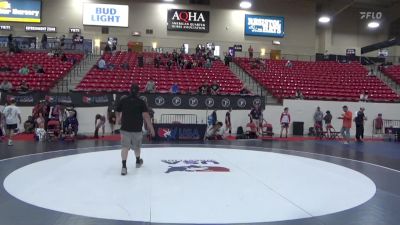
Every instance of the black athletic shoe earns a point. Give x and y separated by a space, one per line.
124 171
139 163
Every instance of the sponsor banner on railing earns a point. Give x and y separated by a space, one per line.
188 20
167 101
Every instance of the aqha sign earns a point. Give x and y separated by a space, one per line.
267 26
188 20
105 15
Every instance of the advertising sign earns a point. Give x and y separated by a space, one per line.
105 15
27 11
267 26
188 20
40 29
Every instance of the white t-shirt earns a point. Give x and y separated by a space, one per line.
11 113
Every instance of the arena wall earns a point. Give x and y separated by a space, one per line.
300 110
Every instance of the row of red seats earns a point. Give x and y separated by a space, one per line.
54 69
393 72
317 80
188 79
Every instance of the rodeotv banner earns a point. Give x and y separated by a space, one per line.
27 11
188 20
166 101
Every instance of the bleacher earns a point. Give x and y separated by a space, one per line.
324 80
54 68
393 72
189 80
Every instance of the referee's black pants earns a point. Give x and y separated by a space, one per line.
359 132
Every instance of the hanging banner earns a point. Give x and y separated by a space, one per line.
188 20
26 11
267 26
105 15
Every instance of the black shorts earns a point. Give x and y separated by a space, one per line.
285 125
12 126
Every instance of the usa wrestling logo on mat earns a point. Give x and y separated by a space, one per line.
194 166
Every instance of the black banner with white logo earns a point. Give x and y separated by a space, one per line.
188 20
166 101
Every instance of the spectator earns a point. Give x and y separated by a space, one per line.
44 41
371 73
251 129
318 118
99 122
378 124
212 118
215 132
111 115
140 60
74 40
12 115
175 88
347 117
40 121
71 124
359 121
214 88
107 48
5 68
101 64
244 91
208 64
257 117
250 50
62 41
29 125
169 64
24 70
6 86
157 61
204 89
10 42
228 123
328 120
288 64
150 86
64 57
40 69
364 96
285 121
299 95
24 87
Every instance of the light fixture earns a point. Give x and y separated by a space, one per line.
373 24
154 45
245 4
169 0
263 52
275 42
324 19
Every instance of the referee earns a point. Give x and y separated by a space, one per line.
131 111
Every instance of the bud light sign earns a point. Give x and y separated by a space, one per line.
188 20
105 15
267 26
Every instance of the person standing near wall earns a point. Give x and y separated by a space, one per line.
359 121
12 115
318 118
228 123
285 121
131 111
250 52
44 41
347 117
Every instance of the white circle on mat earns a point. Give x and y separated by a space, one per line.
191 185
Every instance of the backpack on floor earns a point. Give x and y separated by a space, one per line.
240 133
